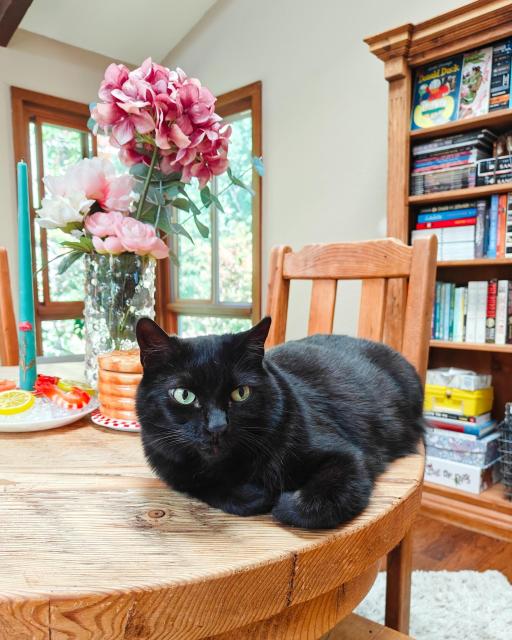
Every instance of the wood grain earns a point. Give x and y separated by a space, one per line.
8 332
109 552
322 306
355 627
372 309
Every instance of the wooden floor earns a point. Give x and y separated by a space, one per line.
439 546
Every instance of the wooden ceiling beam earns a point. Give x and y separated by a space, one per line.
11 14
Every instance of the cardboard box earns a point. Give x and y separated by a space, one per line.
458 475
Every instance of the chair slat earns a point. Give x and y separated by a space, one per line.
8 332
387 258
277 296
323 302
372 309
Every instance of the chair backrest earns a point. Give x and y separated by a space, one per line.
398 284
8 333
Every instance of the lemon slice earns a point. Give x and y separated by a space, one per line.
67 385
15 401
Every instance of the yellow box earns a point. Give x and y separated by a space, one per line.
465 403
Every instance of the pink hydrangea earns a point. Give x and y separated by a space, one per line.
177 114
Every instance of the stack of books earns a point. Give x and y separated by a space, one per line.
462 440
480 312
449 163
467 230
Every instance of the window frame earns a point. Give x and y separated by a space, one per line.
28 106
247 98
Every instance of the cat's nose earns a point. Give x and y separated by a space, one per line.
217 421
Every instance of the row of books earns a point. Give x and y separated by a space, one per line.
479 313
462 441
467 230
449 163
463 86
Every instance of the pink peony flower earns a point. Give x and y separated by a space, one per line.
118 196
103 224
141 238
112 245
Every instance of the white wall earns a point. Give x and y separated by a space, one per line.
44 65
324 113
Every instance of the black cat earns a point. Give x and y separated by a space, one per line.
302 430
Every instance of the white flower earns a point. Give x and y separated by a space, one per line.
58 211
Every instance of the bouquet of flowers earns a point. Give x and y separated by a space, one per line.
167 131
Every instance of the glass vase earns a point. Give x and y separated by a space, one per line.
118 291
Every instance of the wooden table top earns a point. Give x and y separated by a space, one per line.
84 523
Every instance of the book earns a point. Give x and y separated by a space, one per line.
457 250
458 315
471 311
480 229
501 312
456 418
475 83
447 293
471 428
451 214
502 224
493 227
436 93
490 321
482 138
509 313
508 228
500 75
440 224
437 312
481 312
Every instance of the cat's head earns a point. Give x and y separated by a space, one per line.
202 394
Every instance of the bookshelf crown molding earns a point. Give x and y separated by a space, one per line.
462 29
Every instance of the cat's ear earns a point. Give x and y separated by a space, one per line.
253 340
156 347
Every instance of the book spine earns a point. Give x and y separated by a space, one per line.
481 312
464 312
490 322
493 227
508 228
502 224
443 224
509 313
437 312
451 315
457 312
448 215
501 312
446 310
480 229
471 312
457 417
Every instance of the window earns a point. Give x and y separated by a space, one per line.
51 134
215 288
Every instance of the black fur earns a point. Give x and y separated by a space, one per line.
325 415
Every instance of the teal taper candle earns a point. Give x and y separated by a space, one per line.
26 336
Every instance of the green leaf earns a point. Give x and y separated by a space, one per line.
241 184
86 243
206 196
76 246
181 203
149 214
257 163
202 228
217 203
174 258
180 230
68 260
164 221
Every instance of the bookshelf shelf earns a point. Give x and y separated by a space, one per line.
470 346
497 121
461 194
477 262
403 49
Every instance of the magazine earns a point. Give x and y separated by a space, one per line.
436 91
475 83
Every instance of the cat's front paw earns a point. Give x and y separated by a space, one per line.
247 500
293 510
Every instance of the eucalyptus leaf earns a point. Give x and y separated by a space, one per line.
181 203
139 170
202 228
68 260
180 230
206 196
217 203
164 221
241 184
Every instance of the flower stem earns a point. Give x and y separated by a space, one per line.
146 183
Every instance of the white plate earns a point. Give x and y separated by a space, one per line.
43 415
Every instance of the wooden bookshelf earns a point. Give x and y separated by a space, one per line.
402 49
471 346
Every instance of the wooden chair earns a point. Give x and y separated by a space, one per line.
8 333
375 263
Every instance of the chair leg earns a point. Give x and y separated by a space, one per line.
398 586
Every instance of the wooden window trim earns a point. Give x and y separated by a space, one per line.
246 98
27 105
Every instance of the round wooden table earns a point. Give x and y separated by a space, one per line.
93 546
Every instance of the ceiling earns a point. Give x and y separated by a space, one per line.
124 30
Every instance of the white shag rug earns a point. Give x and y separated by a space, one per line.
451 605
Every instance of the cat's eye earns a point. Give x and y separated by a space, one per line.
183 396
241 393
